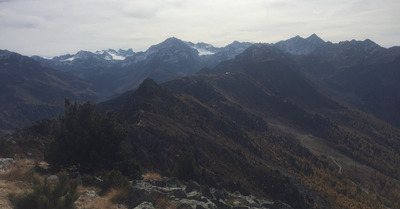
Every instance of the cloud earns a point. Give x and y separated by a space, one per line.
97 24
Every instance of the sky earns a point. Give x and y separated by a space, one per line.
55 27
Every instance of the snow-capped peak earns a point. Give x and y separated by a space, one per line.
203 51
203 48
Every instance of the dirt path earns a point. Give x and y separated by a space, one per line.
338 164
322 147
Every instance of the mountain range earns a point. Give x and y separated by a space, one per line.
114 72
333 67
310 123
29 91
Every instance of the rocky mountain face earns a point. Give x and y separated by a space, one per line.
168 191
29 92
300 46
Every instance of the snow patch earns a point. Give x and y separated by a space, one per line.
203 51
69 59
116 57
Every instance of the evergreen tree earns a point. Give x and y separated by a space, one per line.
90 141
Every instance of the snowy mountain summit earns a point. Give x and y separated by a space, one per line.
300 46
111 54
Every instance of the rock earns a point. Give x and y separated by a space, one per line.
220 194
240 207
52 178
177 192
184 205
194 196
211 205
145 205
191 196
267 204
157 194
252 201
237 193
221 204
90 193
280 205
192 186
159 183
194 204
5 163
207 193
171 182
138 196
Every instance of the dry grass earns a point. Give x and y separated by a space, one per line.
7 187
16 180
164 203
21 170
99 202
151 176
19 177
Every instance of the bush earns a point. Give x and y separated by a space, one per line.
6 150
121 197
112 179
91 141
61 195
187 169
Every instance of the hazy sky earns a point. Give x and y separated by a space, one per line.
54 27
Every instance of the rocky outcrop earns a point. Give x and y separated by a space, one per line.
190 195
5 163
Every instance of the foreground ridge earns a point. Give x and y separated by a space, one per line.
172 193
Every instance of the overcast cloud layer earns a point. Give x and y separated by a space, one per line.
54 27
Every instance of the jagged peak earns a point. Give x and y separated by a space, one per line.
358 42
370 42
315 39
237 43
297 37
258 52
149 88
172 40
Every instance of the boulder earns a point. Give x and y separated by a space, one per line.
159 183
221 204
267 204
137 196
5 163
207 193
194 195
145 205
220 194
52 178
280 205
192 186
252 201
90 193
171 182
194 204
176 192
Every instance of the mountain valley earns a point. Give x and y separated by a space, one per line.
308 123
